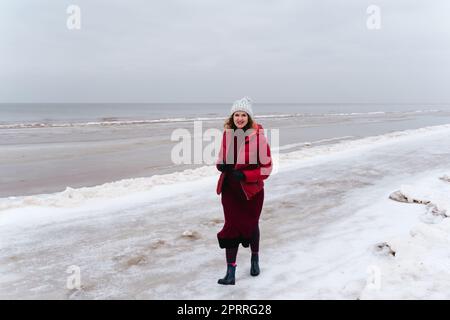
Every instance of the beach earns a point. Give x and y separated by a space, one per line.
112 120
43 154
328 228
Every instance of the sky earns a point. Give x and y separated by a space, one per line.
318 51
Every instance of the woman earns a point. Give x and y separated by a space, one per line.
244 162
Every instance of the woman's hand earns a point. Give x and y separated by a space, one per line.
238 175
221 167
224 167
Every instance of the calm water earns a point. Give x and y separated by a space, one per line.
70 113
48 158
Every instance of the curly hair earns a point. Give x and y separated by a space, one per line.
229 123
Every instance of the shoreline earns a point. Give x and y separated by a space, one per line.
324 216
47 160
282 161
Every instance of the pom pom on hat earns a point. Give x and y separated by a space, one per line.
244 104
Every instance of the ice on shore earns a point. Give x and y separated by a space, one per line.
328 230
421 268
72 197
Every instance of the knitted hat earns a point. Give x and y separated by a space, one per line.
244 104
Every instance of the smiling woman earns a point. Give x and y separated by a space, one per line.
240 119
98 100
241 115
241 184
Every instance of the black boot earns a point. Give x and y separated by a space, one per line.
254 268
229 277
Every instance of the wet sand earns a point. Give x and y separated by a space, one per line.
322 220
47 160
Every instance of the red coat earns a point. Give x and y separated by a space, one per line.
254 160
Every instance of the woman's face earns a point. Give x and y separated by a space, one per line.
240 119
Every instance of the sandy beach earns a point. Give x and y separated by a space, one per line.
49 158
327 224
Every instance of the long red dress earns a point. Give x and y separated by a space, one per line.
241 214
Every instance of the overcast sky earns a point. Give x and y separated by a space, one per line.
220 50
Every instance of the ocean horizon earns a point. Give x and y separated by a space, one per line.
27 114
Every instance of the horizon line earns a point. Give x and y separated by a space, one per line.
214 102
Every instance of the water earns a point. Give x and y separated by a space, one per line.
45 148
322 219
64 113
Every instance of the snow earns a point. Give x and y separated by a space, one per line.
328 230
421 267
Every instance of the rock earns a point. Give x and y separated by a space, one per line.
399 196
384 248
433 209
433 214
193 235
136 261
213 222
157 244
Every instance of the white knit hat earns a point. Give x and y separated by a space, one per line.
244 104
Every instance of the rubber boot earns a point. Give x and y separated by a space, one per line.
254 265
229 277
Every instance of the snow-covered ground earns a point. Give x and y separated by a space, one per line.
328 230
